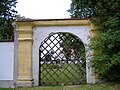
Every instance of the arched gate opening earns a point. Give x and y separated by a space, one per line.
62 60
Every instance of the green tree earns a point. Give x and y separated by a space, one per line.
106 45
7 16
82 8
18 16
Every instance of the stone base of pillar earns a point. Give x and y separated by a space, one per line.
89 73
24 82
91 80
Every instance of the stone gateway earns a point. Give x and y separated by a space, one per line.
29 35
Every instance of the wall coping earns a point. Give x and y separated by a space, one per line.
54 22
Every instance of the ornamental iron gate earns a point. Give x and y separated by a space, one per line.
62 60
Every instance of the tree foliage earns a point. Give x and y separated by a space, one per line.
82 8
94 8
7 15
106 44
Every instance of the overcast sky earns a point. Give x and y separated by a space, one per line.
44 9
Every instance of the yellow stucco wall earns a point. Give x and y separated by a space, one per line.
24 53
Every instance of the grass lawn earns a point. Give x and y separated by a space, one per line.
63 74
104 86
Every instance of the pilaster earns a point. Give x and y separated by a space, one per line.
91 77
25 77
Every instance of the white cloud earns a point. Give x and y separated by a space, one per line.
44 9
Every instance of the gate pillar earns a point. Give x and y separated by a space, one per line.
24 30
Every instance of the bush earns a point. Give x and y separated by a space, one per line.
106 46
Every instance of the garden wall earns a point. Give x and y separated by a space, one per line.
6 64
